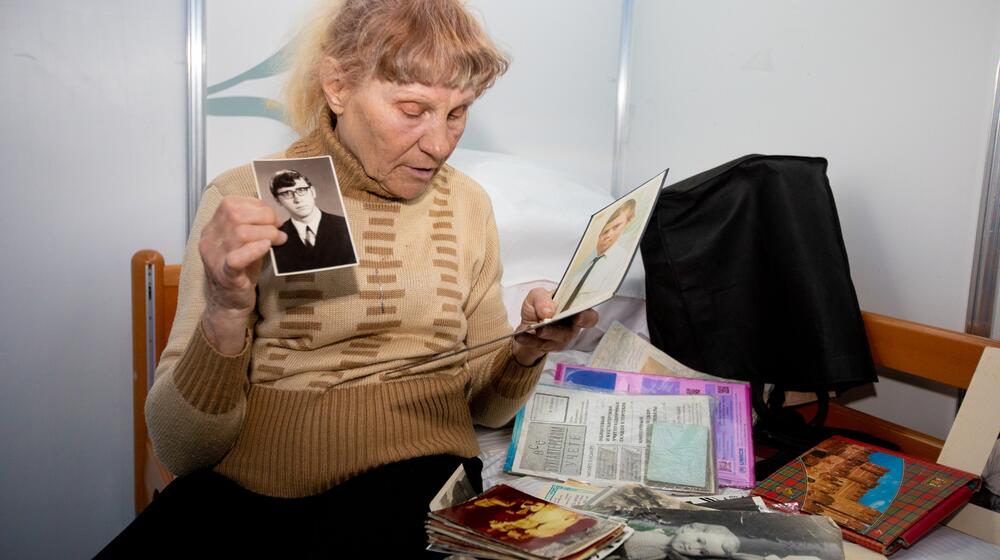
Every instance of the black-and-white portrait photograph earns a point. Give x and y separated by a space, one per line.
678 534
305 194
622 501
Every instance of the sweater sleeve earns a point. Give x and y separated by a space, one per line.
195 408
500 386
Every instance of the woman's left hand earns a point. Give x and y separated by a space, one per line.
538 306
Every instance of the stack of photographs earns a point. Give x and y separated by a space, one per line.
507 523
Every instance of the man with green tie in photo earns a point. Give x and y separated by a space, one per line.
602 270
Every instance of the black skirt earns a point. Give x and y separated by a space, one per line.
378 514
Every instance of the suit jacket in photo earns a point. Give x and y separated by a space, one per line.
332 247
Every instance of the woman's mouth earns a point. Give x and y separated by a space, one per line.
422 172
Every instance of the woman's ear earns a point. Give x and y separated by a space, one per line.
332 80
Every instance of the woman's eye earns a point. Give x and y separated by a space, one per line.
411 109
457 114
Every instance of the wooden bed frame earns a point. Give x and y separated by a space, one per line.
946 357
939 355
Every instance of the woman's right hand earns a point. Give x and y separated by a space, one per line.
232 244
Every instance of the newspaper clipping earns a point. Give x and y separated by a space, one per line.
593 436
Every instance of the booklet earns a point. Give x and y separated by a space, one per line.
605 251
732 414
882 499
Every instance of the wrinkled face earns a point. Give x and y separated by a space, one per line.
401 134
612 231
299 199
700 539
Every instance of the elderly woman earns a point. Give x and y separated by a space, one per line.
284 404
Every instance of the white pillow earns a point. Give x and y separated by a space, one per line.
541 214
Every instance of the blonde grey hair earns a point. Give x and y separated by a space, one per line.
432 42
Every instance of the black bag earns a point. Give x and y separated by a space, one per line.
747 278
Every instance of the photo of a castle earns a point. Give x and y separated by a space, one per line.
839 474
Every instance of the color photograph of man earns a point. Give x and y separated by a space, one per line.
604 267
316 239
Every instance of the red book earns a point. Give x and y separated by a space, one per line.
882 500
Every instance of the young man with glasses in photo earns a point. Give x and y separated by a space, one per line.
316 239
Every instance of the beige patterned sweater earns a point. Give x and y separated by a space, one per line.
304 406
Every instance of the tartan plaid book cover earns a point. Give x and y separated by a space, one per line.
881 499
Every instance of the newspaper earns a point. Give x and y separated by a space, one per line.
733 409
622 349
595 437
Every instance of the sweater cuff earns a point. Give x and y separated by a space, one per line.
212 382
515 380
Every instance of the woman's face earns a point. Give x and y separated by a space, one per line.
702 539
401 134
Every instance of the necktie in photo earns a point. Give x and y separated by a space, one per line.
576 291
310 238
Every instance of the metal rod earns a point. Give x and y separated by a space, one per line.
986 260
196 107
983 285
150 294
621 107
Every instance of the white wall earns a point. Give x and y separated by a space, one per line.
556 104
239 35
897 94
93 166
